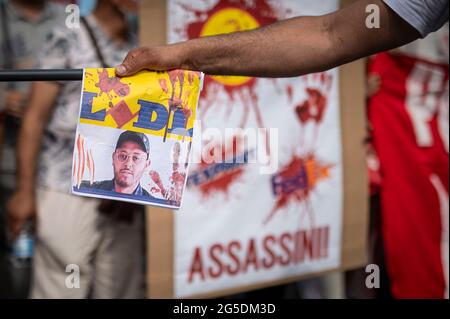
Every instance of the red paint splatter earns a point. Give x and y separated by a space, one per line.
176 101
83 159
289 92
155 190
174 191
106 84
121 113
191 77
163 85
177 178
229 150
262 12
75 165
92 172
154 175
296 181
90 165
313 108
79 171
223 181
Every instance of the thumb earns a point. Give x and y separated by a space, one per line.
134 62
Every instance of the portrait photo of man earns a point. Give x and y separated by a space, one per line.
130 160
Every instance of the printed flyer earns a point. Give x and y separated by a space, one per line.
134 136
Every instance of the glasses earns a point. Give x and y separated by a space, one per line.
124 158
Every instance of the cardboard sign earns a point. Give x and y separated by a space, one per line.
240 229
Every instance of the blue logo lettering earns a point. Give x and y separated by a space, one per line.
145 116
86 108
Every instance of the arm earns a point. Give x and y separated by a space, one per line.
287 48
2 133
21 207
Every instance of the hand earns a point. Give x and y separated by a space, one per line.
15 103
21 207
161 58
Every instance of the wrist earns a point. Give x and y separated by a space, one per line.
26 188
183 56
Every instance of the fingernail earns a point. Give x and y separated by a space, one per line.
120 69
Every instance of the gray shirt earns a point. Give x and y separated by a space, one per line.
425 16
70 48
27 37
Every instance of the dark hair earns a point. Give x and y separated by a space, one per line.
136 137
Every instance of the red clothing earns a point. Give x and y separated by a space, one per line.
409 117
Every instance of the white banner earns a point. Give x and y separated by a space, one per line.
249 221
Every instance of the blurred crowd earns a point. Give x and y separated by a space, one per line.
38 124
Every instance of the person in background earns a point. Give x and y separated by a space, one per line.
72 231
409 118
24 25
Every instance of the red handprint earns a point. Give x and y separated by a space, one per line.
106 84
312 109
154 175
172 193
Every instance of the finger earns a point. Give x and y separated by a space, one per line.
136 60
17 108
15 112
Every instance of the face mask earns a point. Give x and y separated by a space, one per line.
132 21
86 6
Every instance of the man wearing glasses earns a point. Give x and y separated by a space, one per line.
130 160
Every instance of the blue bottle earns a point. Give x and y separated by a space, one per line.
23 247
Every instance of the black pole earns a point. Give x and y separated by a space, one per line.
41 75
